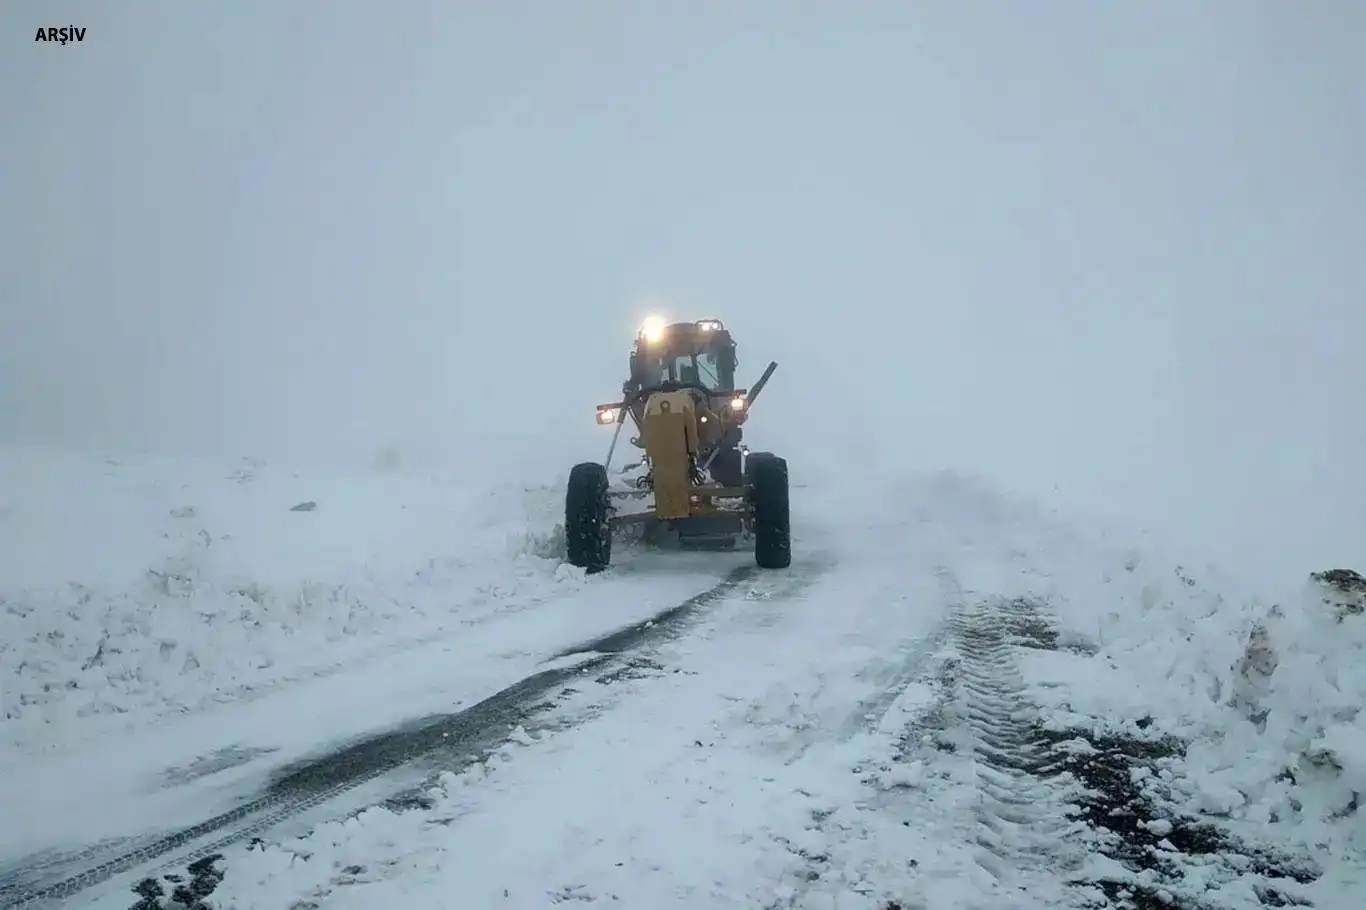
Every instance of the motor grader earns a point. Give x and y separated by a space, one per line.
695 482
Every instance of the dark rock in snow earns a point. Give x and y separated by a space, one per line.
1345 591
1346 581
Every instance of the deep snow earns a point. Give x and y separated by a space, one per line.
784 752
139 587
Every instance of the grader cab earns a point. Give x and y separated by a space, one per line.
695 481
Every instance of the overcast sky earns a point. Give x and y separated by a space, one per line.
1110 254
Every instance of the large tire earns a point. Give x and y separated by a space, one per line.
587 529
767 489
753 458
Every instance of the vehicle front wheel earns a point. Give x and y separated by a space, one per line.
768 497
587 525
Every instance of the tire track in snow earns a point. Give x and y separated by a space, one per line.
574 705
914 657
1044 821
1052 808
307 785
1021 815
970 764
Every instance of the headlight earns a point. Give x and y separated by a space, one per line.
607 415
652 329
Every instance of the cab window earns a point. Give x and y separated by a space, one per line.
702 368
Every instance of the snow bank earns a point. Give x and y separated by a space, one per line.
137 585
1266 688
1299 689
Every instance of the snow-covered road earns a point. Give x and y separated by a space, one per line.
175 772
950 700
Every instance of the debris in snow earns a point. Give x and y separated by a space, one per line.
308 506
205 877
1345 591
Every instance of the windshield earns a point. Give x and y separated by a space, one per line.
701 369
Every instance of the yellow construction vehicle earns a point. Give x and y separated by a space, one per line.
697 483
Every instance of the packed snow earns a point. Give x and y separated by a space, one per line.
807 743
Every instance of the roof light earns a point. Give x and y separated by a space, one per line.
652 329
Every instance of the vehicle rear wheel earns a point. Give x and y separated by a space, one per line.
768 495
587 527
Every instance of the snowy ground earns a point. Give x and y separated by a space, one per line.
140 587
942 704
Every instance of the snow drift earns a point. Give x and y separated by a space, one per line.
1265 688
137 586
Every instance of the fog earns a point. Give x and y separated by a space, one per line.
1108 255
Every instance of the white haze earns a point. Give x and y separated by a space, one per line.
1106 254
